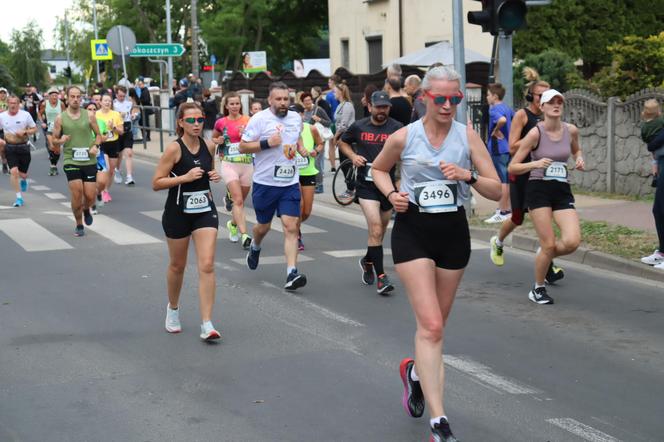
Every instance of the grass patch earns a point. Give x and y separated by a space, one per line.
614 196
597 235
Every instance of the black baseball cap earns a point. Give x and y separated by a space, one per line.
380 98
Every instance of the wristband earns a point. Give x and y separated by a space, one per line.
391 192
264 145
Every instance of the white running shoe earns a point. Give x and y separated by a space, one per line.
173 320
654 259
495 219
208 333
659 266
130 180
117 177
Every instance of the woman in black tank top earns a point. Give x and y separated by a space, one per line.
186 169
548 194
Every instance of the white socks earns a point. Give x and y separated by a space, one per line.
436 420
499 243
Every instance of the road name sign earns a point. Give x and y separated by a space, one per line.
157 50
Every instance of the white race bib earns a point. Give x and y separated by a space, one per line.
50 126
80 153
557 171
301 162
368 172
196 202
436 196
233 150
284 172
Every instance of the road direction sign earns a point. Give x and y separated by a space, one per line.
121 39
157 50
100 50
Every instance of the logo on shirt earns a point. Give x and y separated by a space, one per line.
370 137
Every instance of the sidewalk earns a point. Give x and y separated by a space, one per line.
633 214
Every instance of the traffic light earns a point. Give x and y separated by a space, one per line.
67 72
500 16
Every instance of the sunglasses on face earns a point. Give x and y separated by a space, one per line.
192 120
440 100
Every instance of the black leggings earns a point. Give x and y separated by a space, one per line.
658 206
347 169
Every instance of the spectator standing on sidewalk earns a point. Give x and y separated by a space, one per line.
652 132
500 120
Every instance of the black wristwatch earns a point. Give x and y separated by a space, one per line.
473 177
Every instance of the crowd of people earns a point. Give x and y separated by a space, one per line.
412 158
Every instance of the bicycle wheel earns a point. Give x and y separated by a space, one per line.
345 174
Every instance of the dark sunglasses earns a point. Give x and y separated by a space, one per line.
440 100
192 120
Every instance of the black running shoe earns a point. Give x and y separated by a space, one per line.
384 286
252 258
539 296
367 271
87 217
553 274
295 281
441 432
413 398
228 201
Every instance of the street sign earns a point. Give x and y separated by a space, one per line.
213 59
100 50
121 39
157 50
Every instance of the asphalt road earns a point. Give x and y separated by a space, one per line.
84 356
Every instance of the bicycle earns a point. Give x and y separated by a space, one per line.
344 175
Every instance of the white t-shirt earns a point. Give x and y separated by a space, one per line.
124 107
13 123
271 166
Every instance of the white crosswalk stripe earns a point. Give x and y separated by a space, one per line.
55 195
584 431
156 214
272 260
120 233
276 223
32 236
40 188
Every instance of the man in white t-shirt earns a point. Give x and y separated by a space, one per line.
124 105
273 135
17 125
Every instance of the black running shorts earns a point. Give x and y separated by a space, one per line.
18 155
126 139
518 184
309 180
88 174
442 237
111 148
554 194
368 191
179 225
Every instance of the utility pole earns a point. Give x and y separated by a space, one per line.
505 67
459 56
94 21
194 37
67 48
169 41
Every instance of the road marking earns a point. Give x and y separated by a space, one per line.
32 236
40 188
120 233
156 214
352 253
55 196
5 207
273 260
582 430
478 245
344 216
250 216
66 203
485 376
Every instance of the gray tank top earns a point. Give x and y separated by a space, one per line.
421 177
558 151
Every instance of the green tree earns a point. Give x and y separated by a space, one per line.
6 78
586 29
637 63
25 59
554 66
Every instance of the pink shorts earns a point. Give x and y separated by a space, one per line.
237 171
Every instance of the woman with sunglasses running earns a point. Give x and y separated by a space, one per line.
186 169
548 195
430 238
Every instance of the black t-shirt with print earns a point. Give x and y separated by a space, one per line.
368 140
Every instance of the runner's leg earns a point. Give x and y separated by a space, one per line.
290 228
205 241
542 220
177 251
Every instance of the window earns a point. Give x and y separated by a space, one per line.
375 47
51 68
345 55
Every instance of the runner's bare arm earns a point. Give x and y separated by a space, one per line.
162 179
255 146
319 144
382 165
488 183
517 166
95 128
213 174
576 148
518 123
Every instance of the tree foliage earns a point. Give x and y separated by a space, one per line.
6 77
554 66
25 57
637 63
586 29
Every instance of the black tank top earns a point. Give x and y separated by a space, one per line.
188 161
532 122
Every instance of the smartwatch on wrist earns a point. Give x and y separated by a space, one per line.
473 177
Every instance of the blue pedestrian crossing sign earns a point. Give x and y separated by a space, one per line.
100 50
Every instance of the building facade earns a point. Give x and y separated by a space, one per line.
365 34
57 62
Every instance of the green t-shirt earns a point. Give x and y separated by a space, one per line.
76 151
307 166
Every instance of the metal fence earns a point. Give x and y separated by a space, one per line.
160 115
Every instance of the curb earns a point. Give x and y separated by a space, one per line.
582 255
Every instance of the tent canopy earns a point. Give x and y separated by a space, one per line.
442 52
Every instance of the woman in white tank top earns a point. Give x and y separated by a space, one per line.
430 238
548 194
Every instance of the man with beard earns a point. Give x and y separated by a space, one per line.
273 135
369 136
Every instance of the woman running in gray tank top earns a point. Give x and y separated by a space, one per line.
430 238
548 196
